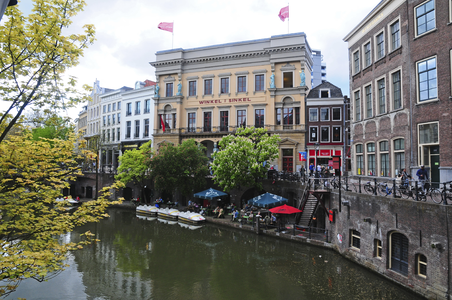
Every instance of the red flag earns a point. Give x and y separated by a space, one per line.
284 13
163 123
166 26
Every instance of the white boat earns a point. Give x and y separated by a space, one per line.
69 202
168 213
148 210
191 218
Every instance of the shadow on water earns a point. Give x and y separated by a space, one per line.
142 258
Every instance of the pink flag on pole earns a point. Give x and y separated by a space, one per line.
284 13
166 26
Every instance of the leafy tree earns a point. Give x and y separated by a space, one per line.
32 175
35 53
134 166
53 127
240 161
183 167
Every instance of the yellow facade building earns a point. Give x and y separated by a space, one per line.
206 93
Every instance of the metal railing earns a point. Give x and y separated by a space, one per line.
228 129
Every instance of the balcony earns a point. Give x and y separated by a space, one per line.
222 130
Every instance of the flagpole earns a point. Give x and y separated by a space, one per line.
172 38
288 19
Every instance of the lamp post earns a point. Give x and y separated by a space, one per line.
317 146
344 158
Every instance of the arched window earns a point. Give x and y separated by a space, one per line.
399 253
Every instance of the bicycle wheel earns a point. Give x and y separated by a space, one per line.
381 189
369 189
398 192
436 195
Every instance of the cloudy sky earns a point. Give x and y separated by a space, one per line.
128 37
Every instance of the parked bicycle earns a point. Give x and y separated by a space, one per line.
446 193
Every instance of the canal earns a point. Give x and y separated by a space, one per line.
147 259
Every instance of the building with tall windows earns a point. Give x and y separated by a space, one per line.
208 92
400 82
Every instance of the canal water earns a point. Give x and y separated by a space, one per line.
148 259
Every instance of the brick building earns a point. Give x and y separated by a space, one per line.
400 85
206 93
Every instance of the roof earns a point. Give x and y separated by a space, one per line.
335 92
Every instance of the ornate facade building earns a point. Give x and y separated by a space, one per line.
206 93
400 82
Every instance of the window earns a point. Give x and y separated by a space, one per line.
371 159
288 116
109 108
169 89
128 129
137 107
224 120
425 17
104 121
108 120
357 106
192 122
113 119
368 90
147 106
118 133
336 113
207 121
380 45
359 159
241 118
355 239
224 89
356 62
108 135
324 114
421 265
278 116
313 115
325 134
103 135
337 130
297 115
313 134
137 128
113 135
259 82
259 118
384 159
367 55
128 109
427 82
119 118
287 79
428 133
396 90
146 128
114 106
208 87
168 120
381 96
395 35
399 253
241 84
325 94
192 88
104 109
119 105
399 155
377 248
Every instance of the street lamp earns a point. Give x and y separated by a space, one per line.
317 146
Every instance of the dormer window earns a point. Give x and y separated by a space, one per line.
324 93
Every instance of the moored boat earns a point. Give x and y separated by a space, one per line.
191 218
148 210
168 213
191 227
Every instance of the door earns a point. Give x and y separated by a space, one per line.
434 166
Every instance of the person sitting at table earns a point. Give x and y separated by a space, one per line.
273 219
216 212
221 213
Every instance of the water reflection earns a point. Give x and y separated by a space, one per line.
139 258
